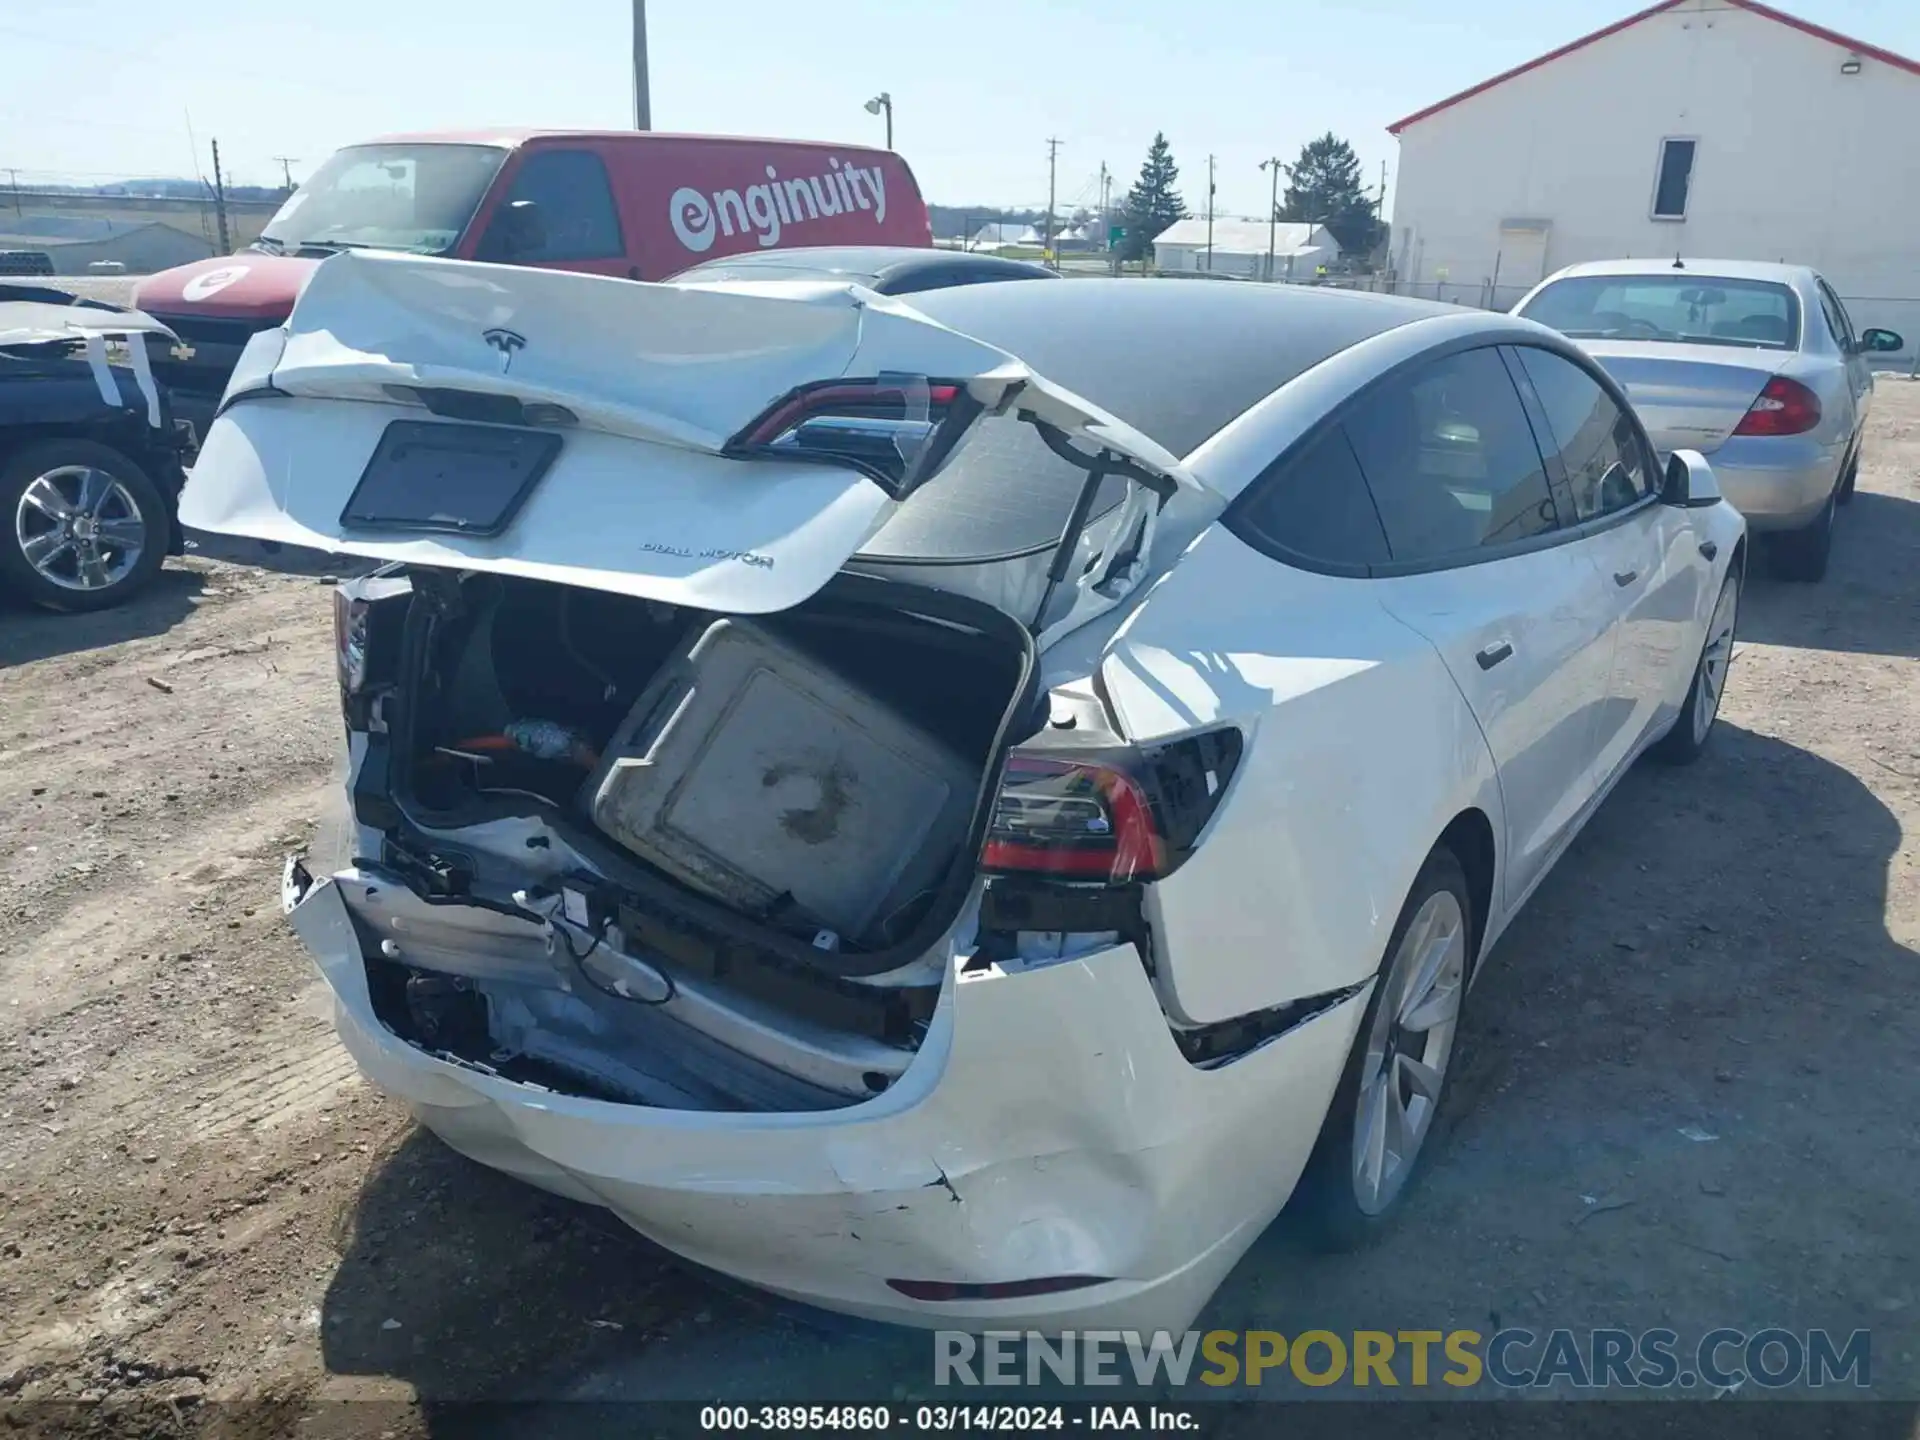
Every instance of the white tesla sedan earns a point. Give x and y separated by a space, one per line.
956 811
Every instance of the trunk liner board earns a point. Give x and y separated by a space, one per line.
754 772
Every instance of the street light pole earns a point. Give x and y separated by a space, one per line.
883 102
1273 208
642 93
1210 214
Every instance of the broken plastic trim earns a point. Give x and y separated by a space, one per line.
1224 1041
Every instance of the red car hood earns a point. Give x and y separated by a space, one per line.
247 286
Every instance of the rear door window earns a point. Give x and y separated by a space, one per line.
1837 318
1607 468
574 209
1451 461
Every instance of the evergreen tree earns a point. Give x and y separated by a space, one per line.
1152 204
1324 186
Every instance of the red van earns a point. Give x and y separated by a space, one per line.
643 205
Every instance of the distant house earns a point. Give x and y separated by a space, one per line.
76 242
1004 234
1719 129
1240 248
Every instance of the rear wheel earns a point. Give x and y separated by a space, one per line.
84 526
1801 555
1852 473
1682 744
1395 1078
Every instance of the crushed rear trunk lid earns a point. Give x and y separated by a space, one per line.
604 432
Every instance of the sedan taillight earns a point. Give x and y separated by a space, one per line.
1783 407
1107 815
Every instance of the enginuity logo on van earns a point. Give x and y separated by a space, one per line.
764 211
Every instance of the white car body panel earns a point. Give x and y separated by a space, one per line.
1321 678
1047 1126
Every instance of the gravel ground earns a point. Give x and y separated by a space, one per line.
199 1199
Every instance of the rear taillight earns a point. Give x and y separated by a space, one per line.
1109 816
366 630
895 429
1784 407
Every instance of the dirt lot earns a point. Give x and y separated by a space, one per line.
199 1199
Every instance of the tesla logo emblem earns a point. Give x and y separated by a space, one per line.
508 344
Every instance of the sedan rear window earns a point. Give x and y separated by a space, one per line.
1678 308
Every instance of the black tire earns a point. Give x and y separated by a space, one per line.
1325 1203
17 572
1801 555
1683 744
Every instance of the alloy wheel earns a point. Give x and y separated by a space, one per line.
79 528
1715 660
1408 1048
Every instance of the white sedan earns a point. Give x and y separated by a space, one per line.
956 811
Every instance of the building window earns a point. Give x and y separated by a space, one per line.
1675 179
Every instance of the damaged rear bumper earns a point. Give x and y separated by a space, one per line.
1047 1127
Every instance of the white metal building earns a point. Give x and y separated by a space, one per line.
1240 248
1713 128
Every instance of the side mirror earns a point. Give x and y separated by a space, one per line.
1690 482
518 229
1875 341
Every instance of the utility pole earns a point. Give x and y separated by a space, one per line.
286 169
1053 152
1209 212
14 175
1272 163
1106 191
220 203
642 92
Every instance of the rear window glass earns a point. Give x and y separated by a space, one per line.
1003 492
1677 308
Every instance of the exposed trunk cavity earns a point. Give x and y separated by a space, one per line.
600 818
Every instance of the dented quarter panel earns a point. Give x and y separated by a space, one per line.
1048 1125
1322 680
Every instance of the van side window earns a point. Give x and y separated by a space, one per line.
571 217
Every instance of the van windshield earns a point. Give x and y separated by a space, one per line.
385 197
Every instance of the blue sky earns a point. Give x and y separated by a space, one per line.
109 88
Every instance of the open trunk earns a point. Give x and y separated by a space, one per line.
656 800
515 920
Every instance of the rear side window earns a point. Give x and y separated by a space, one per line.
1837 318
1450 459
573 203
1607 468
1314 504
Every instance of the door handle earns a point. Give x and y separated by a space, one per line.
1493 655
1708 549
1624 578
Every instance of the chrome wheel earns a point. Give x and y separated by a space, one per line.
1408 1047
1714 661
79 528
